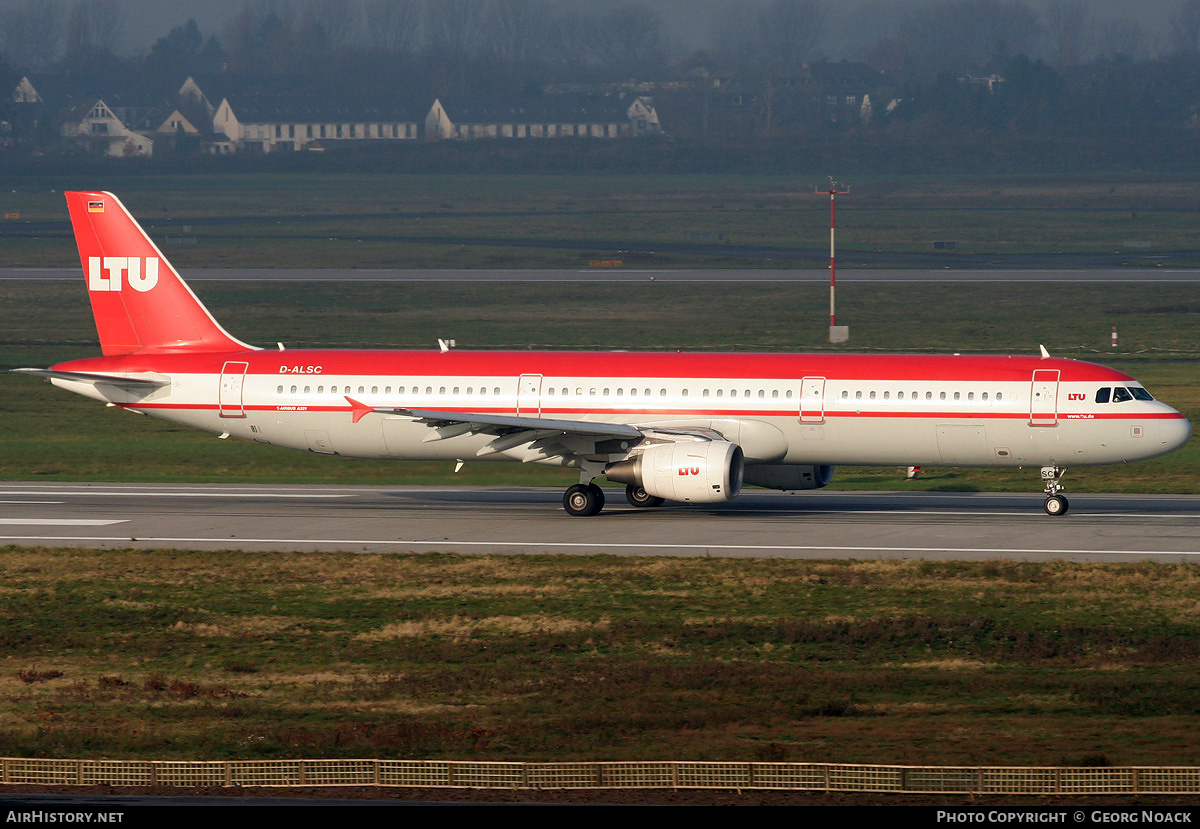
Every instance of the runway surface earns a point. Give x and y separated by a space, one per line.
759 524
1047 276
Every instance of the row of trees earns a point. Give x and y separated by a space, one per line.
623 38
461 49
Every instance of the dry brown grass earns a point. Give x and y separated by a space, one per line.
202 655
462 627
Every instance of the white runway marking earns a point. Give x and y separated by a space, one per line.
899 513
602 546
64 522
152 493
31 502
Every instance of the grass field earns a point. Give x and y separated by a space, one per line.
389 220
238 655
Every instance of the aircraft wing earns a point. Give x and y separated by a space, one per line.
142 383
547 435
491 424
502 424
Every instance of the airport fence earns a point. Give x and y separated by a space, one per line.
817 777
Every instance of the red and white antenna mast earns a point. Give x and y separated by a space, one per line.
837 333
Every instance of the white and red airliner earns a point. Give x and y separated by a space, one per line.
671 426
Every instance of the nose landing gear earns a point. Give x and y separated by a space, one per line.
1056 503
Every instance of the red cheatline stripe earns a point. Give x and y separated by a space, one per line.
678 412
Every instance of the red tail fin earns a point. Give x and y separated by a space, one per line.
139 301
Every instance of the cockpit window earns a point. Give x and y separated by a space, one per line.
1140 394
1103 395
1121 395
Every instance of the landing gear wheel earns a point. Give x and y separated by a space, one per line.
583 499
1056 502
1056 505
641 498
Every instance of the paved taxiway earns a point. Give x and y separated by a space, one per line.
1047 276
400 519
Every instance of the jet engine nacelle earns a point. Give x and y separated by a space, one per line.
702 472
789 477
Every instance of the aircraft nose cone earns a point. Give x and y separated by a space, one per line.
1175 433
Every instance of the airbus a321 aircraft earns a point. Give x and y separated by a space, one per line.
671 426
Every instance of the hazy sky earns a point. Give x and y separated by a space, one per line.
689 22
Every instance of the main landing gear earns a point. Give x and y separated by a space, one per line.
583 499
1056 503
588 499
639 497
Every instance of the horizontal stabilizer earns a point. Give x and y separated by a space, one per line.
84 377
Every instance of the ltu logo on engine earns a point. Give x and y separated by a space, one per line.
106 274
689 470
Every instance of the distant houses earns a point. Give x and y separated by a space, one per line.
250 119
545 116
92 125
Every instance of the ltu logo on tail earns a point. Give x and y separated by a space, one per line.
106 274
